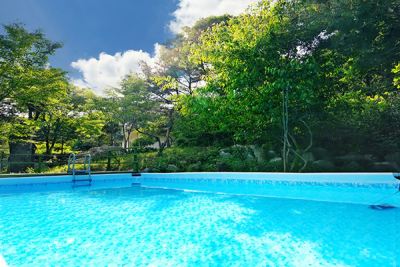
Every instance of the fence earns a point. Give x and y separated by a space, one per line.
58 163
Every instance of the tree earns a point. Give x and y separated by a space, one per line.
135 107
23 55
110 107
271 74
175 71
89 118
28 84
175 76
51 123
143 107
71 118
252 61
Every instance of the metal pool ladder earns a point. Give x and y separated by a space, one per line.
84 181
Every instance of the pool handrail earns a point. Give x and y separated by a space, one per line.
86 168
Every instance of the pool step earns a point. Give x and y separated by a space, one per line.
74 172
81 182
81 172
81 185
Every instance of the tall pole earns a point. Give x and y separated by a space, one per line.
285 124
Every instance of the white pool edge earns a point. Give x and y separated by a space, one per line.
60 179
353 178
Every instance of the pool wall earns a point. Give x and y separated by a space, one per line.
352 178
360 188
60 179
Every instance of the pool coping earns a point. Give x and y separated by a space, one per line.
24 175
348 178
313 178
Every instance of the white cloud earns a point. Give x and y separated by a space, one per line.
107 71
189 11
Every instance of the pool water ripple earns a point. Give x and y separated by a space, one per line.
154 227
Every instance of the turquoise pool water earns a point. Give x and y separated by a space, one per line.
140 226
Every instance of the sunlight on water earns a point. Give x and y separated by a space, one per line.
150 227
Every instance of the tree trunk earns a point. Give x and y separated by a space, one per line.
47 142
55 137
47 148
161 147
30 114
128 139
62 145
125 137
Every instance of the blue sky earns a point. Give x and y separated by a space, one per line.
88 27
104 40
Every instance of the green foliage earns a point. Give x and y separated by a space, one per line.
205 159
333 58
396 80
184 159
252 60
136 108
297 77
38 104
23 61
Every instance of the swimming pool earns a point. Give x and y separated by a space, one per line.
201 220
